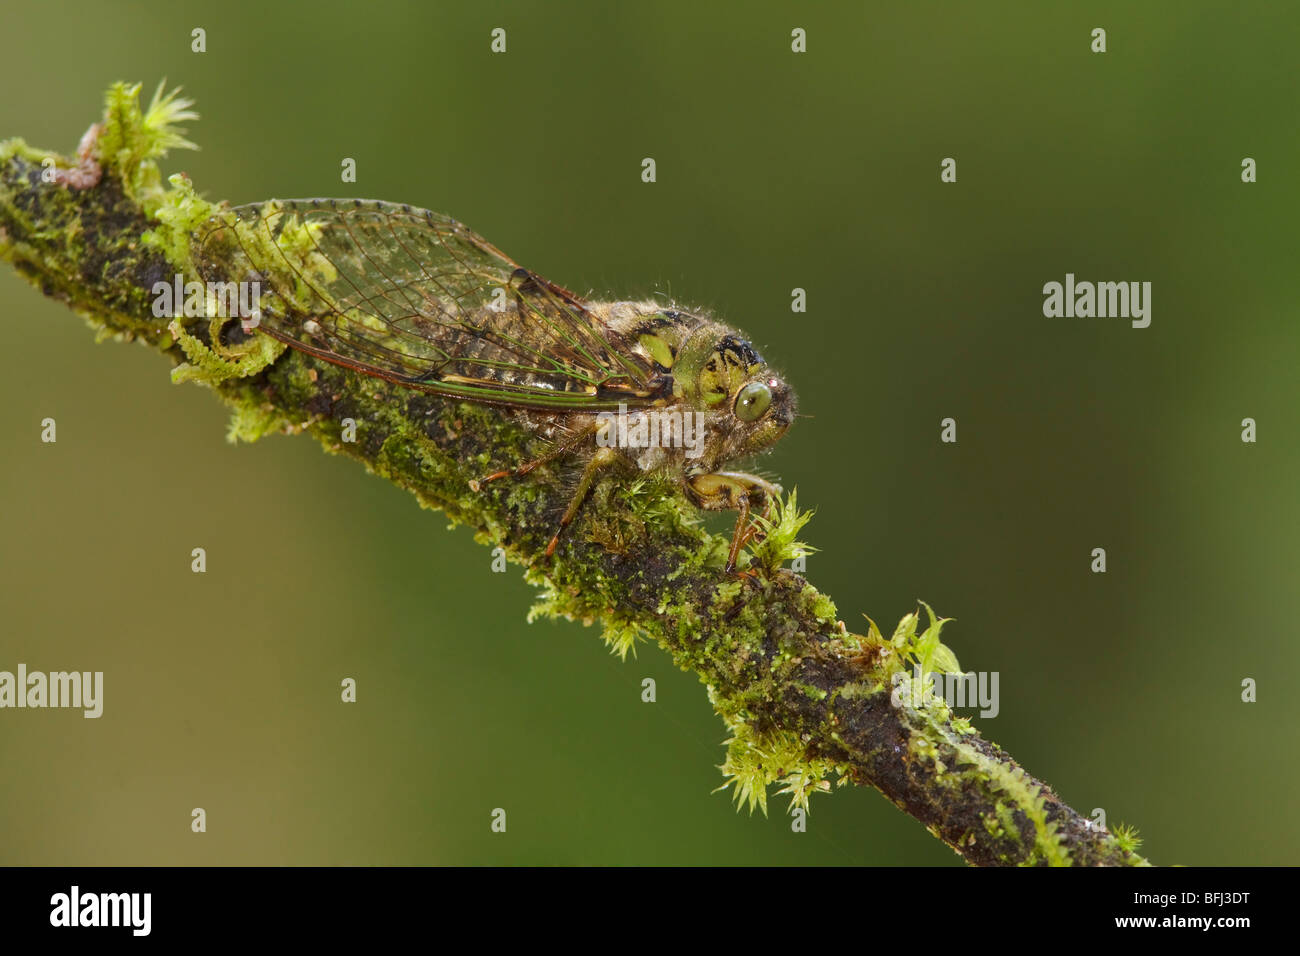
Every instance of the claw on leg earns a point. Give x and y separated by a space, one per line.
734 491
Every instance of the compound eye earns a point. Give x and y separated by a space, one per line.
754 399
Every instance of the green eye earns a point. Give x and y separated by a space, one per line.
753 400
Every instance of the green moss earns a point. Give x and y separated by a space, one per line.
780 531
813 693
962 726
1127 838
133 138
179 211
208 368
823 608
622 637
756 761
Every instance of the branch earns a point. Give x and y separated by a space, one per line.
805 699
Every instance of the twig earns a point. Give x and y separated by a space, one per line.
805 699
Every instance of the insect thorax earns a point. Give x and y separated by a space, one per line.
707 360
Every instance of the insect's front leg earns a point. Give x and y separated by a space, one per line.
733 491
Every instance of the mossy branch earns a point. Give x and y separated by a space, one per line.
805 699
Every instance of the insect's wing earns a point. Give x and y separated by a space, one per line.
417 298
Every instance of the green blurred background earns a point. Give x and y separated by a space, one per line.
775 170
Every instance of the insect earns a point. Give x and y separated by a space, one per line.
418 299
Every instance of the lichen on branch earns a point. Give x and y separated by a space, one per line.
807 702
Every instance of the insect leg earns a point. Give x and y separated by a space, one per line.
733 491
519 471
602 458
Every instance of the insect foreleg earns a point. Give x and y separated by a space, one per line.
733 491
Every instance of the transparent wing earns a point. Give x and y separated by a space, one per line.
417 298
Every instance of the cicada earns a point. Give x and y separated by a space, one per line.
416 298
